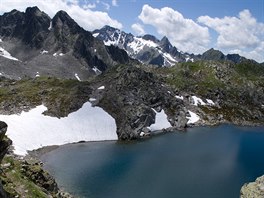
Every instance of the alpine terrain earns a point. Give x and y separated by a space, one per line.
61 84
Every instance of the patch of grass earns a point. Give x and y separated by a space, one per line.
15 183
48 90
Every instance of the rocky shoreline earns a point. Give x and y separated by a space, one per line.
253 189
24 176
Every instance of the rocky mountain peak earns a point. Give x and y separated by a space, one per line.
34 11
149 37
165 44
213 54
62 16
35 27
109 28
64 24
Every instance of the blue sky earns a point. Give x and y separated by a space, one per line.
127 11
232 26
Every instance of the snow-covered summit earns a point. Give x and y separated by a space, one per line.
147 49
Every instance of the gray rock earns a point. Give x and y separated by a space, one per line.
253 189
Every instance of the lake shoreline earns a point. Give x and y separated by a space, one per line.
56 149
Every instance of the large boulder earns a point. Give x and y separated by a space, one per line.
253 189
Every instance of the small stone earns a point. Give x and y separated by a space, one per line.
6 165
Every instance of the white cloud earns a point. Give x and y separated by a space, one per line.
85 17
184 33
106 5
255 54
89 6
114 3
242 31
242 34
138 29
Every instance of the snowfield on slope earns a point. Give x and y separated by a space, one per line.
193 117
32 130
161 121
6 54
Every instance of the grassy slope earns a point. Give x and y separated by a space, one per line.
59 95
15 183
240 85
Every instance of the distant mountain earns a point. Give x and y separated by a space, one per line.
150 50
33 44
147 49
217 55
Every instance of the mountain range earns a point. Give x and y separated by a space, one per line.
33 44
150 50
145 84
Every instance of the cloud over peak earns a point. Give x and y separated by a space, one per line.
138 29
184 33
241 34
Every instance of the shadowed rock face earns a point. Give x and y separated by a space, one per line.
4 144
131 95
55 47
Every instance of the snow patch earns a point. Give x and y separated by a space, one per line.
76 76
168 58
96 70
142 134
161 121
44 52
50 26
139 43
95 34
193 117
109 43
58 54
197 101
37 75
188 59
179 97
102 87
210 102
92 99
32 130
1 40
6 54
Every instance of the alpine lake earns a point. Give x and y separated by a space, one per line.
204 162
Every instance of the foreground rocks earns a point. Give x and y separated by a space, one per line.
253 189
24 177
4 145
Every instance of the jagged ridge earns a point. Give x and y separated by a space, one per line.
57 46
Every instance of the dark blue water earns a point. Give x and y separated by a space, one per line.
202 163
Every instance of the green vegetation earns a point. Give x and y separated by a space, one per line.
196 77
59 95
16 183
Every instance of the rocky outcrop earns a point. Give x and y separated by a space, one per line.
253 189
4 145
133 96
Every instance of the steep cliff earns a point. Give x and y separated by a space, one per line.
4 145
